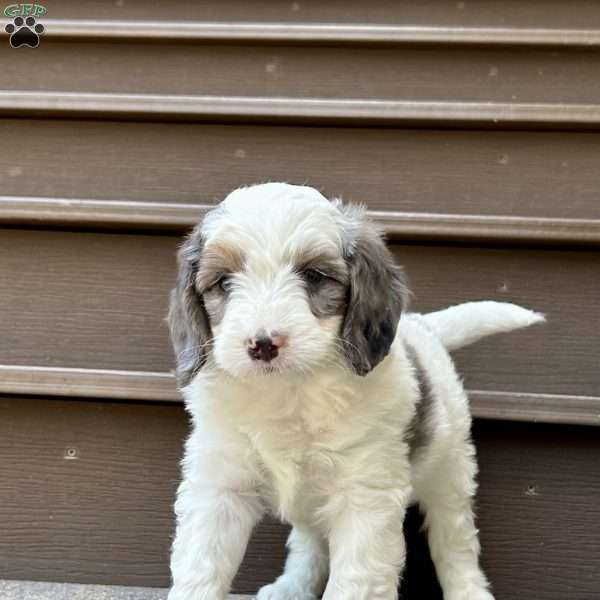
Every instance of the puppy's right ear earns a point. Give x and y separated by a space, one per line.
188 320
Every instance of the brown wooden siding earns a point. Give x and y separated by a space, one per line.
103 306
471 131
535 174
91 484
421 72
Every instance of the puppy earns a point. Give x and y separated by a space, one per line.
314 397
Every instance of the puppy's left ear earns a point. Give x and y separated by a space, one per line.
377 294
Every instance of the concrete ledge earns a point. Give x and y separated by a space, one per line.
35 590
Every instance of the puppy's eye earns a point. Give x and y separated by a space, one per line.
312 276
224 283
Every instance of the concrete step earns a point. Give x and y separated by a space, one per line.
36 590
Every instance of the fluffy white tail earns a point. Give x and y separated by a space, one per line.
467 323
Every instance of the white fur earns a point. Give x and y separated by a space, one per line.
465 324
267 294
317 445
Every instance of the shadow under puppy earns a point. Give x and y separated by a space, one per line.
314 396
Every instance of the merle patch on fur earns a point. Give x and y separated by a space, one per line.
326 298
24 32
376 298
188 320
418 433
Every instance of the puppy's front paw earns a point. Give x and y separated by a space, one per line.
470 593
196 592
285 590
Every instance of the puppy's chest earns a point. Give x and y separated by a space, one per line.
298 475
300 458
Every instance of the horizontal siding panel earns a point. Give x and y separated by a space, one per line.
105 516
160 387
311 33
89 383
86 300
398 226
524 13
539 408
533 174
90 500
299 111
104 303
430 73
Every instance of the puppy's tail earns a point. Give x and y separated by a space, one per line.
467 323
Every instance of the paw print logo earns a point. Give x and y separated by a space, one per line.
24 32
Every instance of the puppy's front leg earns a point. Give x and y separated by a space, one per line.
305 568
217 509
367 546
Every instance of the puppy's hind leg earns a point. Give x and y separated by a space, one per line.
447 500
306 568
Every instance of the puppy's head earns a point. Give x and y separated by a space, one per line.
276 279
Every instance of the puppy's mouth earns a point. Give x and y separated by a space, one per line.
267 368
281 366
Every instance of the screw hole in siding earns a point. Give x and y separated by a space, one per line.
71 453
532 490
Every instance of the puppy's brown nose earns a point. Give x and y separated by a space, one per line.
263 348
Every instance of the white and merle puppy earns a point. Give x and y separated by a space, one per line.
313 397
